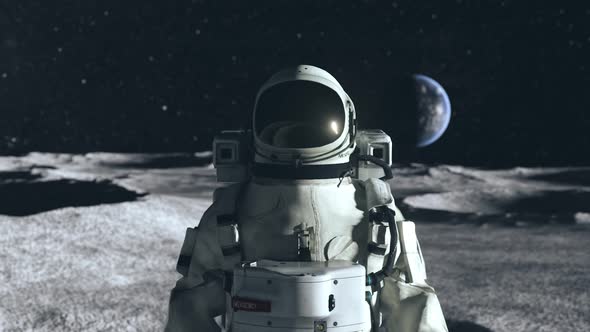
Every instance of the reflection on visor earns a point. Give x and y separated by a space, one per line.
299 114
334 126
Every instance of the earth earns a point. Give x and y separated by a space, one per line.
433 110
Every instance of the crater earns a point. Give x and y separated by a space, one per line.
20 197
162 161
580 177
17 176
570 201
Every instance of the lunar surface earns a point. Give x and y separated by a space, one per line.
90 242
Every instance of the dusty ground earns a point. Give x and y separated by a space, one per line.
91 250
511 279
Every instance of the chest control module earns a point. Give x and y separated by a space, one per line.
299 297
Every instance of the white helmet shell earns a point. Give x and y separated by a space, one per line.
303 116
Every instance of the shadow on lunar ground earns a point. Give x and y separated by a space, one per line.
546 207
500 219
164 161
465 326
553 202
18 176
579 177
400 193
24 197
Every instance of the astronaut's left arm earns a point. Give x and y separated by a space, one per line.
405 302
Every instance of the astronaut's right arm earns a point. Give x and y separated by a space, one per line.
199 295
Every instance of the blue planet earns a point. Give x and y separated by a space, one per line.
433 110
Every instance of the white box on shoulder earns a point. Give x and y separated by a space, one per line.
376 143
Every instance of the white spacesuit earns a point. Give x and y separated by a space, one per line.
303 200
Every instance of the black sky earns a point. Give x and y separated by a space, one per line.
80 76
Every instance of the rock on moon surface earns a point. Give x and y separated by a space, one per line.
434 110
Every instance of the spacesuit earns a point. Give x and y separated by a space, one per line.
302 203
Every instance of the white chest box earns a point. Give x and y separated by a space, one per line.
299 297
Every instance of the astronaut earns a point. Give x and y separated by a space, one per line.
304 191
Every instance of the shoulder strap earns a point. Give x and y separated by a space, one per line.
228 230
377 195
221 219
412 261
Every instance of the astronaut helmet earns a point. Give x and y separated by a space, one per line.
303 117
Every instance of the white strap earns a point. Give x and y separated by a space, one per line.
411 254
